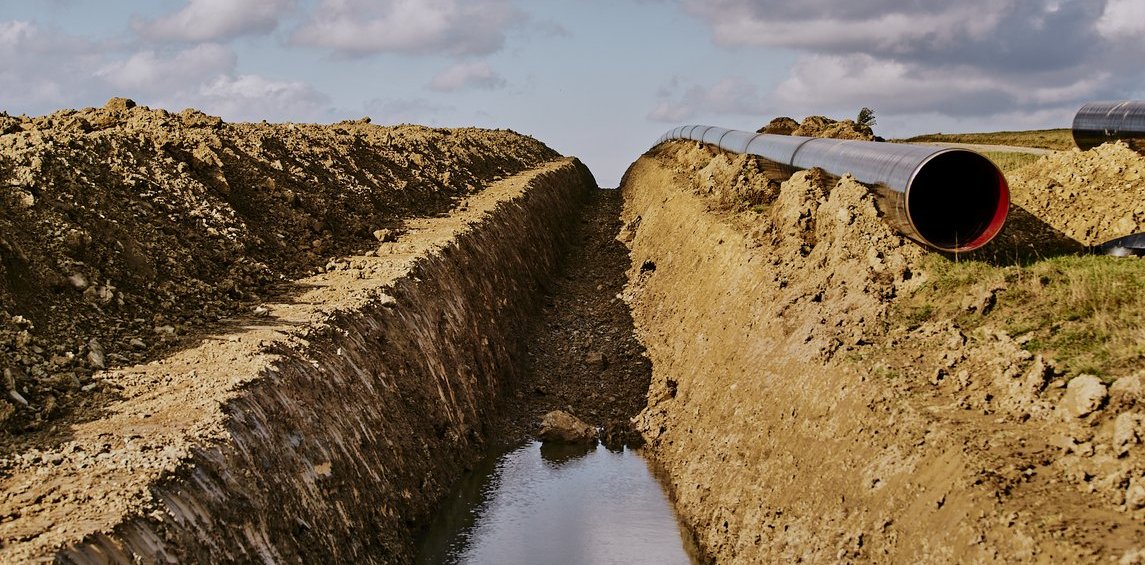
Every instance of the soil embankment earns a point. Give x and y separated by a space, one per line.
354 395
125 231
799 415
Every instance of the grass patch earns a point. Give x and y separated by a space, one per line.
1057 139
1008 161
1087 313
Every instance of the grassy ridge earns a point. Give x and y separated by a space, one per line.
1057 139
1087 313
1009 161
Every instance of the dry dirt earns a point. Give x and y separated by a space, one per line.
1090 196
797 419
819 126
125 231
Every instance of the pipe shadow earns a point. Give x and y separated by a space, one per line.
1026 239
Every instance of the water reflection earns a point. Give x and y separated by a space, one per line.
547 504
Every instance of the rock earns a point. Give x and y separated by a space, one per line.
562 427
1135 494
597 360
384 235
119 104
1125 392
78 281
17 397
95 354
1126 432
1084 395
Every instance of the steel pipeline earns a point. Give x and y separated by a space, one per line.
1098 122
954 200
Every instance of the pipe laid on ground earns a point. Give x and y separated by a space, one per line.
954 200
1099 122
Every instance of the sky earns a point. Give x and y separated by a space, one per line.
598 79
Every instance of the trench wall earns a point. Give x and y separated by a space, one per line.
335 424
775 443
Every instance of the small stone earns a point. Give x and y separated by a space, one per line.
95 354
119 104
596 359
138 344
1126 391
1135 494
384 235
1126 432
562 427
1084 395
17 397
78 281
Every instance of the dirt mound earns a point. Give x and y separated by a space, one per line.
124 230
782 125
824 390
1091 196
830 245
819 126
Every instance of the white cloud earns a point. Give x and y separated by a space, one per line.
882 25
1123 19
148 71
43 69
215 20
252 97
406 111
477 74
819 83
964 59
732 95
454 27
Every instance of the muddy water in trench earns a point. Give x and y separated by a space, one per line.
540 504
528 503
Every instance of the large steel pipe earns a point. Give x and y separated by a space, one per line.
1099 122
950 199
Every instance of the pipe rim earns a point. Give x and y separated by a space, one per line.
997 219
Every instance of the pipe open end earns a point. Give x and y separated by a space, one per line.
958 201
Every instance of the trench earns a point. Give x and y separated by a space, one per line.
528 502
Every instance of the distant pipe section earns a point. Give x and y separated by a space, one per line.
1099 122
953 200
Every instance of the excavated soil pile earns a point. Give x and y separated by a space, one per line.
124 231
798 416
819 126
1091 196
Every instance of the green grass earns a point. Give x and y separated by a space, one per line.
1057 139
1010 161
1087 313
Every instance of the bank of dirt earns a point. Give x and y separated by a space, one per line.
1090 196
126 231
799 415
326 417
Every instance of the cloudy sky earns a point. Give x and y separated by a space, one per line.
600 79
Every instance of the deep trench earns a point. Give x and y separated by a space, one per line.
582 356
